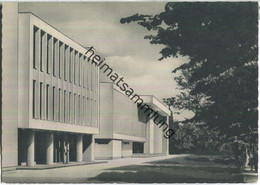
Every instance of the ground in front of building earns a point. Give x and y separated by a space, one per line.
161 169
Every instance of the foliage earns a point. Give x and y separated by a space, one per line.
190 138
219 83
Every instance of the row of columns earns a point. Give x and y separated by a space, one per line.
30 161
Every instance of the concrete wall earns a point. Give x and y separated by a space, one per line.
157 139
127 149
117 149
119 116
106 111
139 125
24 71
122 114
149 144
9 84
103 151
126 117
112 149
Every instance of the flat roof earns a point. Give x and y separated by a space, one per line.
155 104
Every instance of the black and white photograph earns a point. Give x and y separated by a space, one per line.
129 92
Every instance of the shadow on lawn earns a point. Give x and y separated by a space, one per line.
199 160
170 174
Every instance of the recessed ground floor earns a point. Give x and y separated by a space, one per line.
49 147
106 149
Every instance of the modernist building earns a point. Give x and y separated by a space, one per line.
125 129
52 108
50 94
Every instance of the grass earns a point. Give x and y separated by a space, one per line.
170 174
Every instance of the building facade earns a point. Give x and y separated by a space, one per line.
56 97
125 130
54 107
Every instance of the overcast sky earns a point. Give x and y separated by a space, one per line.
123 45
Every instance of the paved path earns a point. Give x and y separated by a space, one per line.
75 174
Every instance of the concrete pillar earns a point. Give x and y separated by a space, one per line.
30 148
79 147
49 148
165 141
149 143
158 138
147 139
88 148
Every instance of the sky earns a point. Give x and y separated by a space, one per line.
98 24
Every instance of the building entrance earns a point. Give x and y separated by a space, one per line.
138 147
64 148
58 148
49 147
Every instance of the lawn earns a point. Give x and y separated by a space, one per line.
170 174
170 171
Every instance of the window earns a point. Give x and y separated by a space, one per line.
49 54
79 69
59 105
96 78
84 71
47 102
88 112
74 107
35 112
43 53
61 59
54 104
95 113
65 106
79 110
75 66
70 111
92 74
70 65
41 100
36 49
102 141
65 62
84 111
91 112
89 74
55 56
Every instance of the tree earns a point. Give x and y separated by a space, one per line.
220 80
191 138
